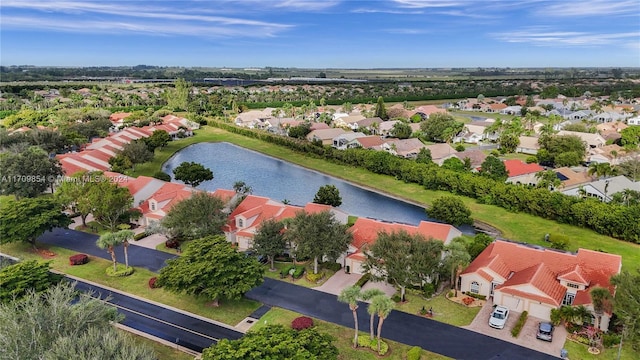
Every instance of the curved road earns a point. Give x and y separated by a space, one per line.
409 329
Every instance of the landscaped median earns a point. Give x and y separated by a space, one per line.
343 337
229 312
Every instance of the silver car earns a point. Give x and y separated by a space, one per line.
545 331
499 317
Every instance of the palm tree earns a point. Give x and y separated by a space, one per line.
109 241
351 295
381 305
602 302
123 237
457 257
366 296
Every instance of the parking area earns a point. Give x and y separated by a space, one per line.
527 337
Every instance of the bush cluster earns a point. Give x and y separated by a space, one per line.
120 271
284 272
78 259
414 353
605 218
428 290
153 283
363 280
519 324
313 278
610 340
301 323
297 273
172 244
477 296
467 300
364 341
332 265
139 236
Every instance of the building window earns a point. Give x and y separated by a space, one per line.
153 206
475 287
572 285
568 299
240 223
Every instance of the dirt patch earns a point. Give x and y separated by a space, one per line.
467 301
44 253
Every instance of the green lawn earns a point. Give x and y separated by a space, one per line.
229 312
444 310
514 226
343 337
579 351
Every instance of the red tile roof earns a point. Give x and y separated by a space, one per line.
506 258
517 167
365 231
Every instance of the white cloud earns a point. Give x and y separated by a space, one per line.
304 5
406 31
591 8
547 37
386 11
429 3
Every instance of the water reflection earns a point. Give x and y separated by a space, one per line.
280 180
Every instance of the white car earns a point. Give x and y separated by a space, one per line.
499 317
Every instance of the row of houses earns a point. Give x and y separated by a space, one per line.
95 155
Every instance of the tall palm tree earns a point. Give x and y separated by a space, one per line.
123 237
602 302
457 258
366 296
382 305
351 295
109 241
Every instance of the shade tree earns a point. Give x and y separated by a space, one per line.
328 195
269 240
451 210
26 219
200 215
192 173
212 268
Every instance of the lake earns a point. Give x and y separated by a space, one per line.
280 180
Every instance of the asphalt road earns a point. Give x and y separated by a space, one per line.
175 327
86 243
408 329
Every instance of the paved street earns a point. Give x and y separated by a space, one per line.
409 329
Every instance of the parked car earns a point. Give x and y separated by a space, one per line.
261 258
545 331
499 317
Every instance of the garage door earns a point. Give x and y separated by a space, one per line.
540 311
511 302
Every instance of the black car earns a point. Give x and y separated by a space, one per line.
545 331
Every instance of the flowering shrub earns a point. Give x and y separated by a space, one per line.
301 323
152 283
78 259
172 244
467 300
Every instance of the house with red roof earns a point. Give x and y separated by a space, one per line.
535 279
365 233
245 220
522 173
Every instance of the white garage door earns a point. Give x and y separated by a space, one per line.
540 311
510 302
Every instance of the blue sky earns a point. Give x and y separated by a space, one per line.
321 33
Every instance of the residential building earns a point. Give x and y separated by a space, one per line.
365 233
476 157
346 140
407 148
604 189
532 278
528 145
522 173
441 152
325 136
591 140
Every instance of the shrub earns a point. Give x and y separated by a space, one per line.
172 244
414 353
333 266
153 283
297 273
139 236
531 159
609 340
428 290
518 326
559 241
363 280
120 271
285 271
396 298
460 148
162 176
311 277
364 341
467 300
78 259
301 323
384 348
450 294
477 296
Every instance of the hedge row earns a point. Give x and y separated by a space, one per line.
608 219
518 326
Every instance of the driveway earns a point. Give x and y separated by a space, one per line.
527 337
337 282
